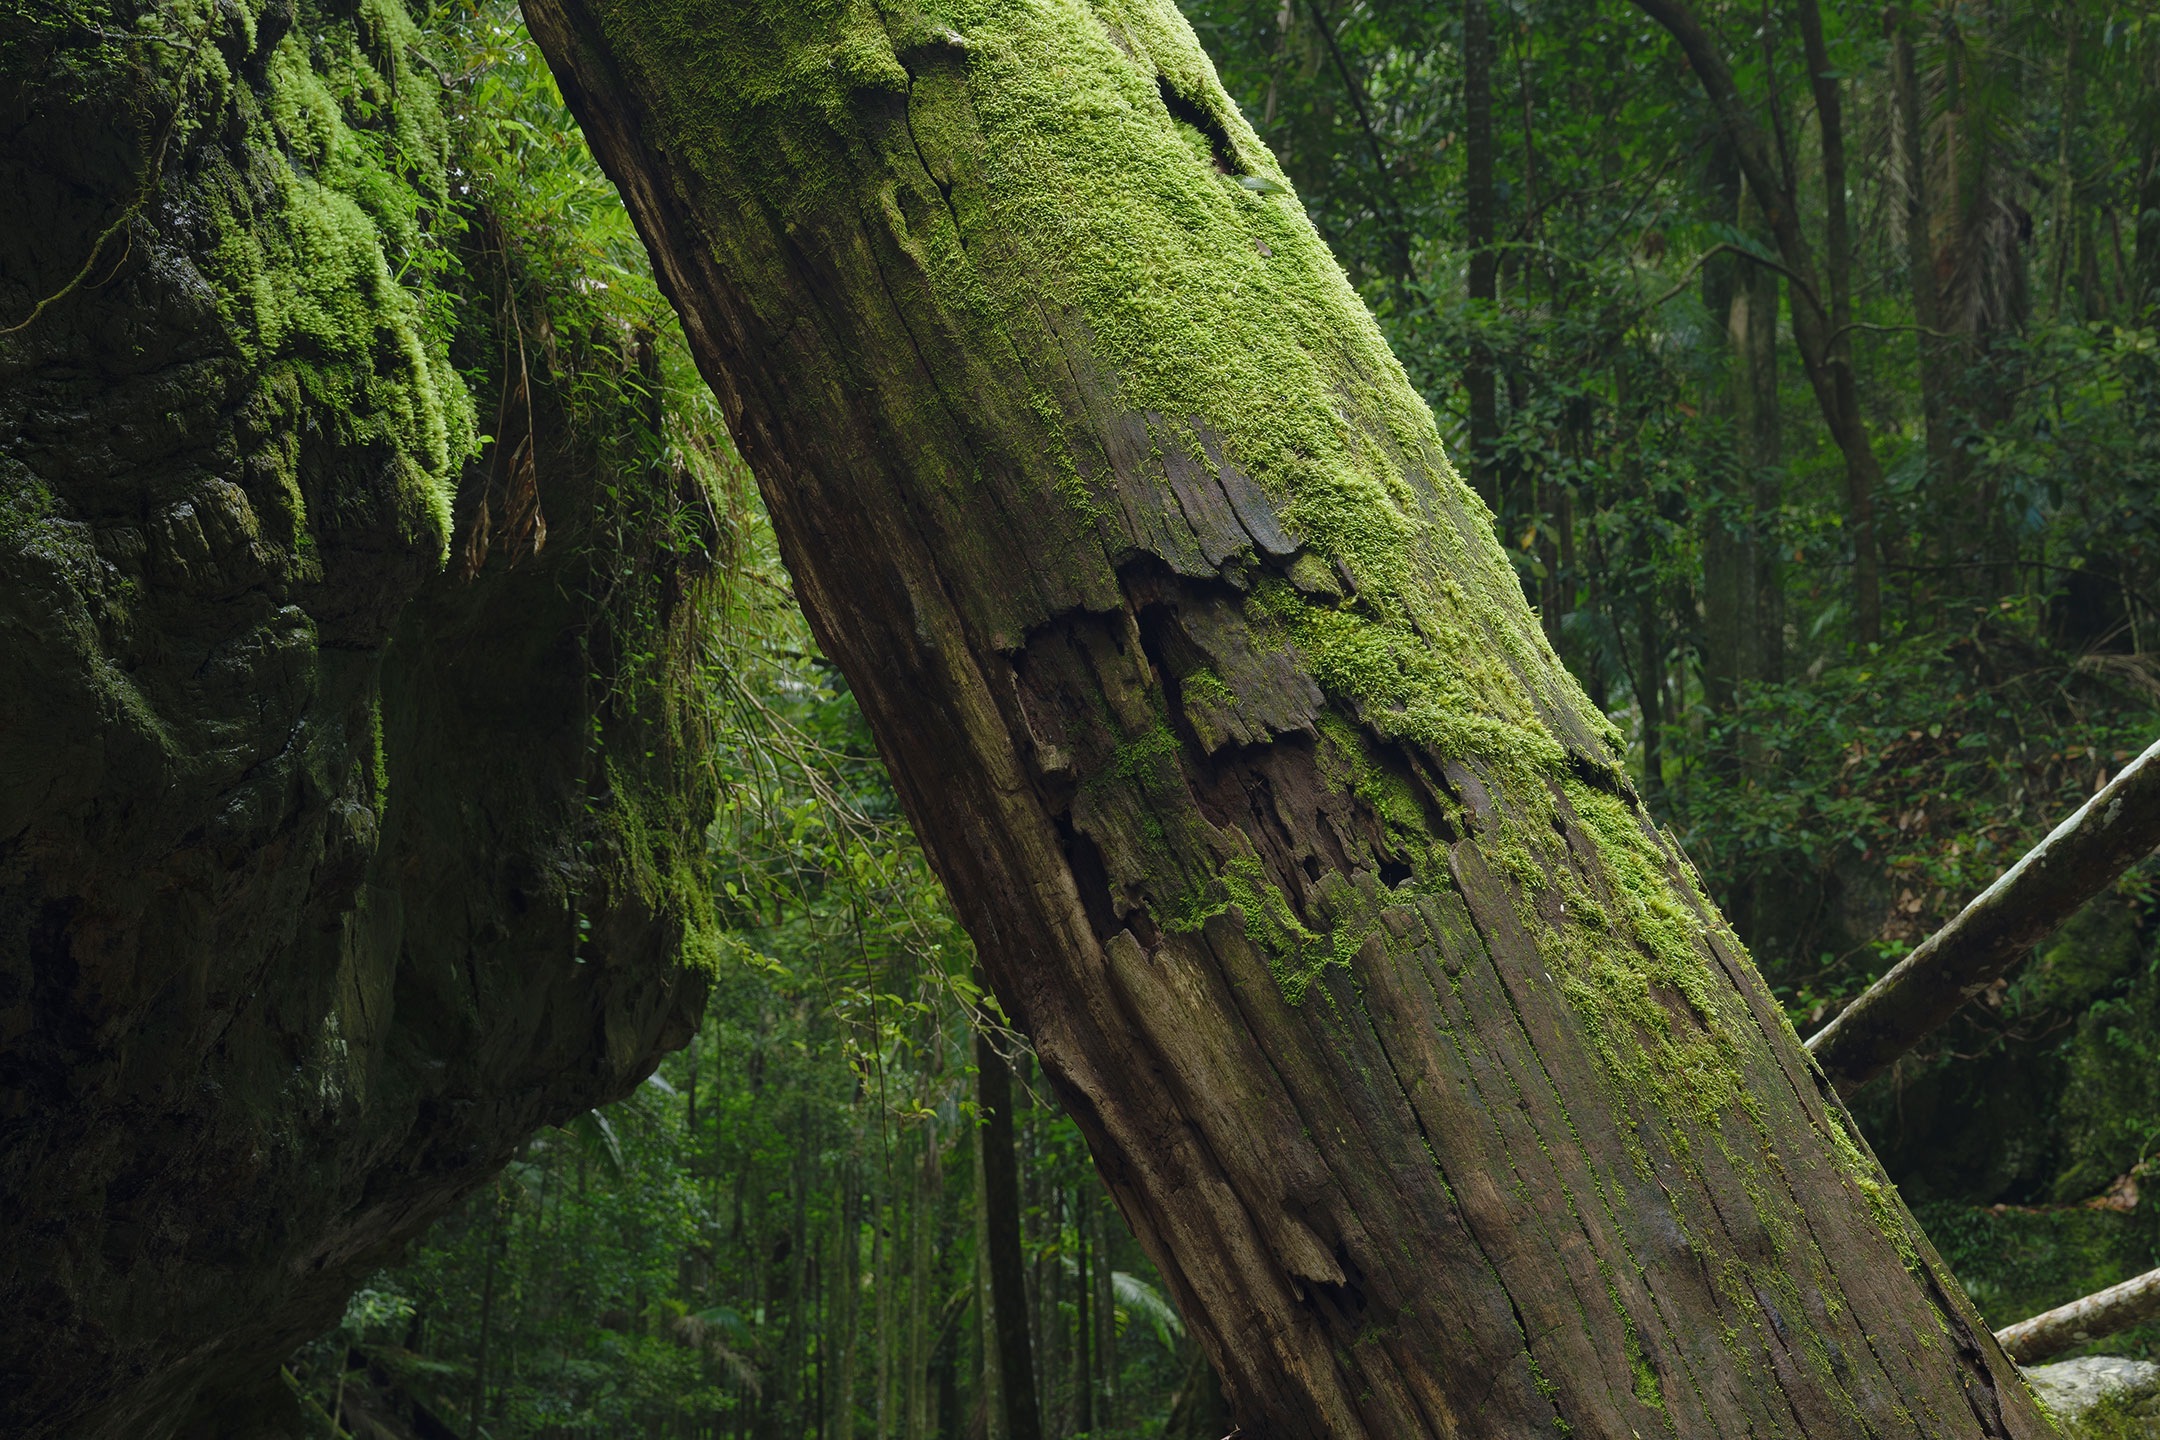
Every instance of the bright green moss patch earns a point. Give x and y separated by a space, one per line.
1296 955
1206 299
1207 687
337 287
1070 188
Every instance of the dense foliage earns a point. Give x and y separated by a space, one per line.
1868 645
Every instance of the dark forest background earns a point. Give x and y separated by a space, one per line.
1849 522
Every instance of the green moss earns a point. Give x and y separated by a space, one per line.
1296 955
1390 796
308 290
25 504
2118 1417
1211 304
1206 687
1147 761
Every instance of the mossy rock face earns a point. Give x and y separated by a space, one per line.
330 867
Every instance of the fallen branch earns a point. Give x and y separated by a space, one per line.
2081 857
2110 1312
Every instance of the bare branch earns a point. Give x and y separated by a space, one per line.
1746 254
2081 857
2110 1312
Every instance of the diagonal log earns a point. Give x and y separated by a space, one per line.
1405 1041
2080 857
2109 1312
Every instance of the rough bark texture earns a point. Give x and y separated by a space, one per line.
1408 1046
299 833
2081 857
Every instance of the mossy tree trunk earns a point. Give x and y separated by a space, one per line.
1409 1047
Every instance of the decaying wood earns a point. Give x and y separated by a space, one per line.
2080 858
2110 1312
1405 1042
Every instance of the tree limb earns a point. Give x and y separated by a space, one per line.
1700 260
2109 1312
2081 857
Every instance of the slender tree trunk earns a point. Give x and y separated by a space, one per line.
1744 584
922 1220
2145 283
1728 588
795 1359
885 1276
476 1411
1754 322
1014 1361
1083 1331
992 1380
1409 1048
1055 1336
1935 379
2063 248
1862 484
1650 693
818 1380
1105 1298
847 1321
1817 334
1480 216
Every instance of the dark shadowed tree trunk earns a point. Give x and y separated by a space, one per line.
1408 1046
1821 298
1753 323
1479 217
1013 1357
1728 531
1743 592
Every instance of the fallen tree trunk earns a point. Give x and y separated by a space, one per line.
1407 1044
2080 858
2109 1312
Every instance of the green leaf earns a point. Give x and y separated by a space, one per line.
1136 1297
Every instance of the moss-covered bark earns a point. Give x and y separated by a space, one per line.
1408 1045
328 870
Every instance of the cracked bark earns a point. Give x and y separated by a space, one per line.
1367 1020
